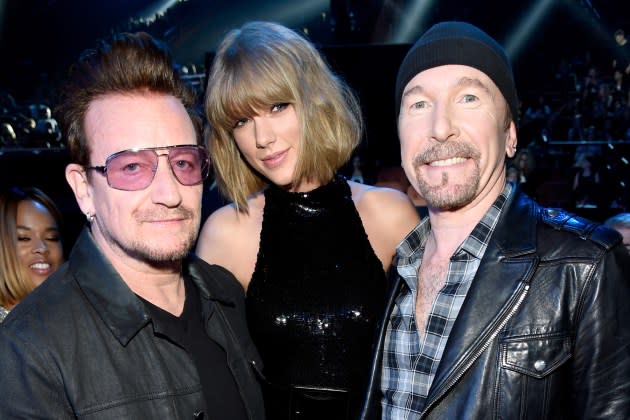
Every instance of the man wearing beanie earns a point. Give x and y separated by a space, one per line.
501 309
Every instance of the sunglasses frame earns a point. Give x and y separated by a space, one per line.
205 167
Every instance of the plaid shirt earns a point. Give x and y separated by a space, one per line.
409 361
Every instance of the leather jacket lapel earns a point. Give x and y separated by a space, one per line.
496 291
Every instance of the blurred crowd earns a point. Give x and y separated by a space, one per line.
589 101
27 126
574 134
578 134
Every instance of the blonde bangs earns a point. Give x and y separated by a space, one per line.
239 89
264 64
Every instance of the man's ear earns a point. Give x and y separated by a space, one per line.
511 140
77 179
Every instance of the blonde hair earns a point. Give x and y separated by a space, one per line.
262 64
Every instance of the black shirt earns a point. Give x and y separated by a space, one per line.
622 58
219 389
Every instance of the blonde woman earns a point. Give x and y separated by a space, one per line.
309 247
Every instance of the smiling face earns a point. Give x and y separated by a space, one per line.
154 225
452 136
270 141
39 246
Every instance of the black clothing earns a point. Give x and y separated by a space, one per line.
82 345
622 58
588 189
219 389
543 332
313 302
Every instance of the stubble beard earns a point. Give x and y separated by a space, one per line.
142 250
450 194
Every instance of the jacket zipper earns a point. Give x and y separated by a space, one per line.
522 293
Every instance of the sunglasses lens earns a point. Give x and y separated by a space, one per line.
132 170
189 164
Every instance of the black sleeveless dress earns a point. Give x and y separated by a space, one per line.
313 303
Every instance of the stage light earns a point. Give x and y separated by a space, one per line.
156 9
527 26
589 18
412 21
298 11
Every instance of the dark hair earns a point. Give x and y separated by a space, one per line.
14 285
124 63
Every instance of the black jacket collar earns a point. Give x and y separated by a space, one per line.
119 308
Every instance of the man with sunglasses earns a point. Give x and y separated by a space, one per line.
132 326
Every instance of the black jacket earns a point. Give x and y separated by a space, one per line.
544 332
82 345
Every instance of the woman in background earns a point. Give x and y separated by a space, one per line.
309 247
586 182
31 243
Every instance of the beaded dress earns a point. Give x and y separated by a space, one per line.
313 303
3 313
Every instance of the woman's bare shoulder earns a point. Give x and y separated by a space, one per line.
387 214
370 198
227 220
229 237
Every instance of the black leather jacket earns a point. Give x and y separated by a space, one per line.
544 332
83 346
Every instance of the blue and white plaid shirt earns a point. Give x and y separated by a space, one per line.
410 361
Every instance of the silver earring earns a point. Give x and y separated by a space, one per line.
89 216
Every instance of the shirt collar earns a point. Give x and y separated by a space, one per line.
411 249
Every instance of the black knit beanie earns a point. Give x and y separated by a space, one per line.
459 43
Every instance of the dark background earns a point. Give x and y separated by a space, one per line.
364 41
39 38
